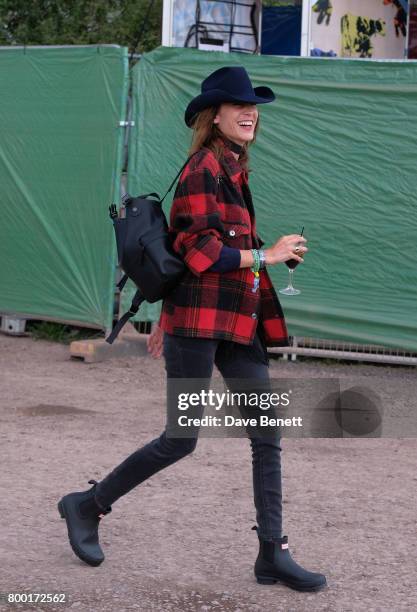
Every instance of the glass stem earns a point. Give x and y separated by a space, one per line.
291 272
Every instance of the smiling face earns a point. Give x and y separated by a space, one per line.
237 121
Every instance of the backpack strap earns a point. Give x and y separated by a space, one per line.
178 175
122 282
126 198
138 298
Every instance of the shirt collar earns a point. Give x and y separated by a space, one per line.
231 164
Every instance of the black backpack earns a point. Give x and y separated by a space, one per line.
144 250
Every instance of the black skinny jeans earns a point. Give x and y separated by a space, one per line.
194 358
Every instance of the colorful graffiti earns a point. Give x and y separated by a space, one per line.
324 9
357 33
400 19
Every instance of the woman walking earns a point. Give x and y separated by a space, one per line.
224 312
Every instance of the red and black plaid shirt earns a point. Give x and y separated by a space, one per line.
212 206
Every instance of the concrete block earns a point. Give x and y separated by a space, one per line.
13 326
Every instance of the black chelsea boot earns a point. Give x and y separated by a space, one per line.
83 514
275 564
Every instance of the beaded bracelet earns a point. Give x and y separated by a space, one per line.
255 269
256 261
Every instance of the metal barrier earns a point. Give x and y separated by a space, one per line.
336 349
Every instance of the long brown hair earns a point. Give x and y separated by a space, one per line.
207 134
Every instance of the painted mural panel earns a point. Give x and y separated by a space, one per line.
359 28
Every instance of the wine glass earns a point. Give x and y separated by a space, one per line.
292 264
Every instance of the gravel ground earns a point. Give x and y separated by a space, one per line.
182 541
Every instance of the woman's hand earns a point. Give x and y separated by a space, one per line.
284 249
154 341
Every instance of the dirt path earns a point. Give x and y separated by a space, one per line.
182 541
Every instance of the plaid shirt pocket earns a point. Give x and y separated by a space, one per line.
237 235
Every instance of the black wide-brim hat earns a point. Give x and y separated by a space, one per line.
228 84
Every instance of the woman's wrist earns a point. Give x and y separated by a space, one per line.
246 259
269 259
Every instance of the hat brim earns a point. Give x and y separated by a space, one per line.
215 97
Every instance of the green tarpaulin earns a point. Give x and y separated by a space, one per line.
336 154
60 167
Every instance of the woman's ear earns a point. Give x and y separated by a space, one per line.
216 119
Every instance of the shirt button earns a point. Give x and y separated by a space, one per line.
254 315
232 233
